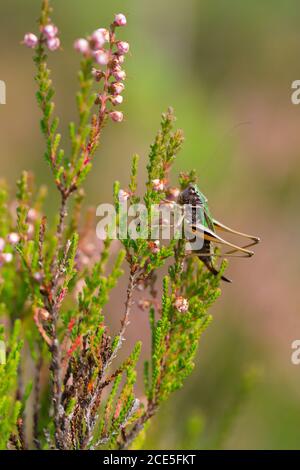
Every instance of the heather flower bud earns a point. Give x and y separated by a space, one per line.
117 116
118 99
98 74
32 215
158 185
144 304
53 44
7 257
30 230
154 247
30 40
123 195
2 244
44 314
105 33
101 57
13 238
82 45
120 20
123 47
38 276
119 74
173 194
50 31
117 87
181 304
121 59
99 38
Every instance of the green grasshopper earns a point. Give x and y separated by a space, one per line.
199 223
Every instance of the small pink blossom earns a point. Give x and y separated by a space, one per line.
82 45
120 20
98 74
38 276
50 31
2 244
7 257
118 99
13 238
98 40
121 59
30 230
144 304
158 185
123 195
181 304
100 37
30 40
53 44
119 74
173 194
117 116
154 247
117 87
44 314
101 57
105 33
123 47
32 215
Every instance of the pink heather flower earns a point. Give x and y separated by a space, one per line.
123 47
100 37
30 230
181 304
50 31
121 59
119 74
105 33
30 40
120 20
98 74
7 257
173 194
13 238
32 215
154 247
82 45
44 314
158 185
117 116
53 44
123 195
118 99
101 57
2 244
117 87
144 304
38 276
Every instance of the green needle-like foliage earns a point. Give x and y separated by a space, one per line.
10 407
56 283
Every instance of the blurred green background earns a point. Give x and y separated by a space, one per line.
227 69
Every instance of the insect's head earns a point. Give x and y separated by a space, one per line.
191 195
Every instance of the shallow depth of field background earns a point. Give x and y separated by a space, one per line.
227 69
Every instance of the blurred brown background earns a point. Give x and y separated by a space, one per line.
227 69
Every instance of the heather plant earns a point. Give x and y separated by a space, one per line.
56 280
